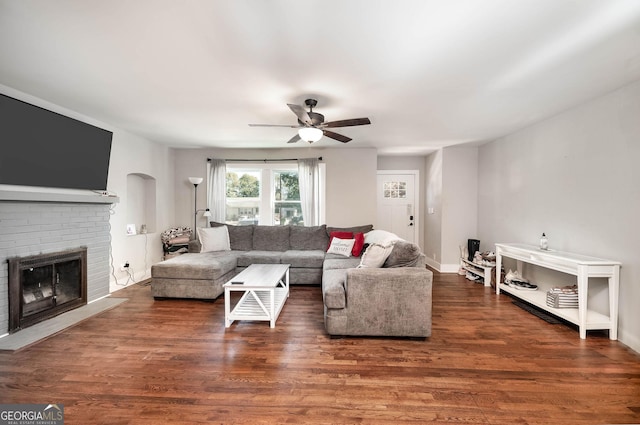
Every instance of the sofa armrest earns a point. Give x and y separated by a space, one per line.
389 301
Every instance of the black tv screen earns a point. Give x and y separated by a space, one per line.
46 149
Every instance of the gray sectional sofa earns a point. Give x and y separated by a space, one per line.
394 300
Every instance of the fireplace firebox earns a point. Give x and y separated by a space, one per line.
46 285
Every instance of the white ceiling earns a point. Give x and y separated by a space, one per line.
428 73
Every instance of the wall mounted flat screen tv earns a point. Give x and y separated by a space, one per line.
42 148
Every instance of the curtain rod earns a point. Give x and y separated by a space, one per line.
262 160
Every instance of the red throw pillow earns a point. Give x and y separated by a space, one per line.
339 235
358 245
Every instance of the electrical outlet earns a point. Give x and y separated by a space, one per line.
125 266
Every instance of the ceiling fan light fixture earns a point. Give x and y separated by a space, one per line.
310 134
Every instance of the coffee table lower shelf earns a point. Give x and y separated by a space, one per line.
257 304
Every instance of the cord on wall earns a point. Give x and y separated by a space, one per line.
112 208
131 278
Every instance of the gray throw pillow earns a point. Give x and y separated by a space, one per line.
403 254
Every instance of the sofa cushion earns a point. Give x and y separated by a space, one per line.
356 229
403 254
205 265
271 238
303 258
240 237
333 291
245 259
308 238
332 262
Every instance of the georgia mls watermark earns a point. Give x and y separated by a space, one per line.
31 414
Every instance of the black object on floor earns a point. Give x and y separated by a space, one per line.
473 245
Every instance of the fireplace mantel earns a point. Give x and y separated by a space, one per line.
71 197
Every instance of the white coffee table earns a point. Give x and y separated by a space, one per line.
265 288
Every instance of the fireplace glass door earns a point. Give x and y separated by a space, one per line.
49 286
45 285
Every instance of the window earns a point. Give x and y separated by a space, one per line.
243 196
395 189
286 204
267 194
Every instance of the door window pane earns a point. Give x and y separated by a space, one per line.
394 189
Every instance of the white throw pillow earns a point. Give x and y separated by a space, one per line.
375 256
214 239
341 246
381 237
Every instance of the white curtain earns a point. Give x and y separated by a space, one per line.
309 180
217 190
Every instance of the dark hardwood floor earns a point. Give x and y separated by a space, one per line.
173 362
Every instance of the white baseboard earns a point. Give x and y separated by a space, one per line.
125 281
630 341
442 268
449 268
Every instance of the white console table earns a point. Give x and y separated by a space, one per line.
582 267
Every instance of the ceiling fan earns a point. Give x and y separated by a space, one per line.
311 125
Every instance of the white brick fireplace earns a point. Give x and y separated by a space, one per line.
34 223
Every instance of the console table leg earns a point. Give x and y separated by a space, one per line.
583 289
614 292
498 270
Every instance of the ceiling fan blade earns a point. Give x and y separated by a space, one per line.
294 139
302 115
347 123
275 125
336 136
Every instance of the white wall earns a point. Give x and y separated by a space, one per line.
452 193
575 177
459 203
350 181
351 186
129 154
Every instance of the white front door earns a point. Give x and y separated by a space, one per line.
397 203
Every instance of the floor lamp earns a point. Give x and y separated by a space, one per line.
195 181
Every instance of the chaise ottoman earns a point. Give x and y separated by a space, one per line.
199 276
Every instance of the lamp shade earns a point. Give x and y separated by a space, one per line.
195 180
310 134
207 213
